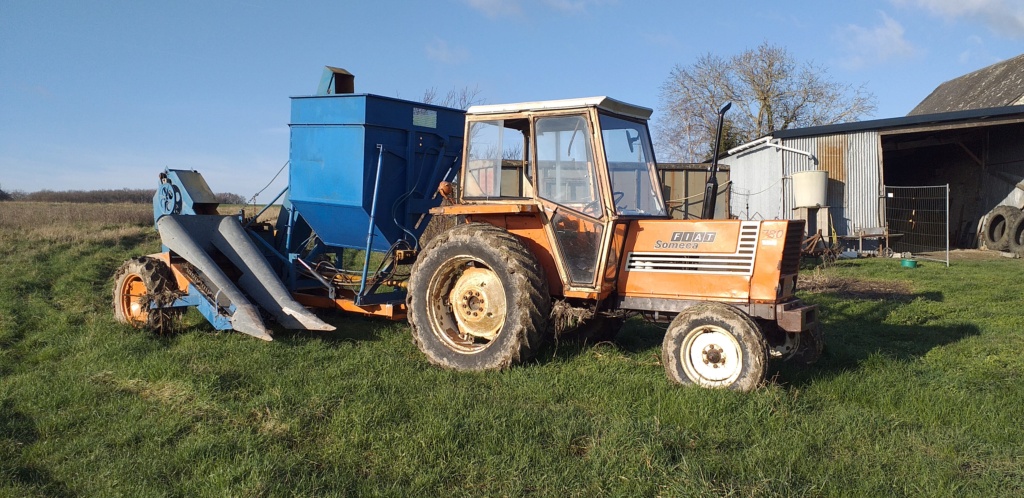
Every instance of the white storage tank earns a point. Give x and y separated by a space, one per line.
809 188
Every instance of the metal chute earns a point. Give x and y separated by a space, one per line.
202 241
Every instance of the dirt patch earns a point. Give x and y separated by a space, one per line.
975 255
824 282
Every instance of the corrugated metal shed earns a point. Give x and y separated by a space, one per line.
859 158
756 192
763 186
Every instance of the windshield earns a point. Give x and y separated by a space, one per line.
631 168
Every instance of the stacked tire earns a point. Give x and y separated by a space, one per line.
1003 230
1016 236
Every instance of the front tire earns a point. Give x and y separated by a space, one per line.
478 300
716 346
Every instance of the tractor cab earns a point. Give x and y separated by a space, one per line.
587 164
592 156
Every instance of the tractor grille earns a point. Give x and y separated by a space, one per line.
739 263
791 252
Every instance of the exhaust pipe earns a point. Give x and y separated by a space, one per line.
711 188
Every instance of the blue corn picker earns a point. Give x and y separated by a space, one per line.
555 224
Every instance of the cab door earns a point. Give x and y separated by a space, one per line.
568 188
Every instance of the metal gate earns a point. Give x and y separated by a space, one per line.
918 221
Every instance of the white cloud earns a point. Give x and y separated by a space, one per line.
1004 17
496 8
439 50
513 8
976 54
575 6
880 43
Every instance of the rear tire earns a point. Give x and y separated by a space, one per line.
478 300
138 283
716 346
997 227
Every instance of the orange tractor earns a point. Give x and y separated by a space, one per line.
560 227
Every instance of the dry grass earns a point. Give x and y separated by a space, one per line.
269 216
33 215
68 222
73 222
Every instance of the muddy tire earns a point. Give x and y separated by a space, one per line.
138 283
478 299
716 346
998 227
597 329
1015 242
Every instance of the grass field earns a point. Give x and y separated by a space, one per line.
920 393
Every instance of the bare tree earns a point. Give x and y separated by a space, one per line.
456 98
769 90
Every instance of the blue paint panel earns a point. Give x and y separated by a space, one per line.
335 151
342 226
325 164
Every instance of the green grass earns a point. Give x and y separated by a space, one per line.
919 394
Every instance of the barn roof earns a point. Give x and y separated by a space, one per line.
998 85
939 119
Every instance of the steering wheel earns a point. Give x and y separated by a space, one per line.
591 209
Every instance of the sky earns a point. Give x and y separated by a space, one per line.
106 94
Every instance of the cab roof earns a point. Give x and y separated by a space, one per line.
606 103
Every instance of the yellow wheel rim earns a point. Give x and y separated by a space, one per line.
478 303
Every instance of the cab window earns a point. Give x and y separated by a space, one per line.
496 160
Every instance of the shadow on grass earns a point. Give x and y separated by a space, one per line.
350 328
856 328
17 432
635 337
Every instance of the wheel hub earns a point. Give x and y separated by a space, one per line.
712 356
478 303
133 298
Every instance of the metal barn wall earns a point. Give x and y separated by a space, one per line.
1005 167
756 192
854 176
763 187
